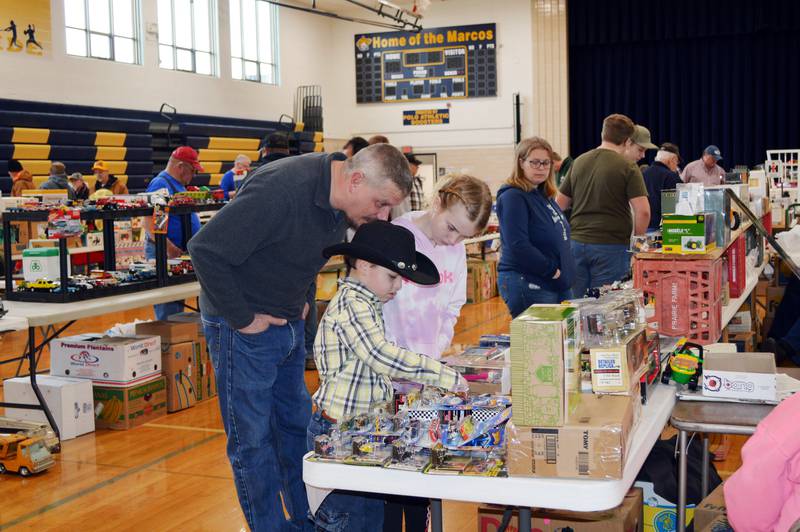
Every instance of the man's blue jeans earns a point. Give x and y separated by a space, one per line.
345 511
265 411
598 264
520 292
162 310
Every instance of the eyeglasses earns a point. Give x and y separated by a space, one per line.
538 163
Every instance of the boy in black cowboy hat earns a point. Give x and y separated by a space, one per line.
354 358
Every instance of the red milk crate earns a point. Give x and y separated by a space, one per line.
766 221
737 266
688 296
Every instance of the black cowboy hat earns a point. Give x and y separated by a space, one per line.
390 246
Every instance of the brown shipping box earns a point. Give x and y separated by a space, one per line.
627 517
124 408
710 509
204 379
179 358
592 444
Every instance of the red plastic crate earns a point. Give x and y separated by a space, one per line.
737 266
766 221
688 296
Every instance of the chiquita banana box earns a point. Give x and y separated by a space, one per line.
123 408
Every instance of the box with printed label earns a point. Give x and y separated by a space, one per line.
179 344
204 377
627 517
122 408
545 364
110 360
69 400
693 233
481 280
592 444
710 509
740 376
619 368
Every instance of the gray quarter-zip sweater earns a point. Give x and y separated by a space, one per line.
262 251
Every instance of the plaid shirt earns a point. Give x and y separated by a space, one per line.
417 196
355 360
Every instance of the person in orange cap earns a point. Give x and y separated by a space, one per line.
106 180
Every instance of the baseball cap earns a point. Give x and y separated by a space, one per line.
412 159
187 154
641 136
713 151
277 141
100 165
76 176
672 148
14 166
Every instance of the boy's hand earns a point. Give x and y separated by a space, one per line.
461 385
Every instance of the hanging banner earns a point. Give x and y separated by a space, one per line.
25 27
426 117
433 64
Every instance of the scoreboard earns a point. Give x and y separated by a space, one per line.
433 64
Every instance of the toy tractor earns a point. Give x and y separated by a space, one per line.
685 366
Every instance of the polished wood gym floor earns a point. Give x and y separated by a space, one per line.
172 474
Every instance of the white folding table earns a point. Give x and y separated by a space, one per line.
552 493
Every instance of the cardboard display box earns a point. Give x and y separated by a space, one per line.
545 364
70 401
688 234
592 444
481 280
710 509
179 351
740 376
205 382
627 517
660 514
122 408
619 368
108 360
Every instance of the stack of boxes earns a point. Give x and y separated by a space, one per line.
205 383
557 430
180 348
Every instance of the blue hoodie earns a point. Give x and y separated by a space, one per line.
535 238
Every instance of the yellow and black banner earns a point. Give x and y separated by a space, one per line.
426 117
25 27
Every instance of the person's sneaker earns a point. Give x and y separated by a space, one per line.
311 365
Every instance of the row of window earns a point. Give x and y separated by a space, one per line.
187 36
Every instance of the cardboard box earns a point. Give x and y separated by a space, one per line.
774 298
23 232
618 368
481 280
627 517
740 376
179 358
205 379
710 509
94 239
592 444
122 408
70 401
545 364
659 514
741 322
688 234
40 263
108 360
38 229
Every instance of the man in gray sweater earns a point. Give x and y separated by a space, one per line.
255 260
58 180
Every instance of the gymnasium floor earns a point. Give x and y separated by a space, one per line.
172 474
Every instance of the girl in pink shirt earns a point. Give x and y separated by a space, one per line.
422 318
764 494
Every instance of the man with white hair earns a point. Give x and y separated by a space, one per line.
232 179
661 175
255 260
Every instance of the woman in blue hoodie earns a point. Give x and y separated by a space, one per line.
536 264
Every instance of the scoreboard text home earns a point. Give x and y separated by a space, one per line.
433 64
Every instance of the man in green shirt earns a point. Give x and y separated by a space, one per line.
602 187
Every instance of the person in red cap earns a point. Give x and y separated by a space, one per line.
182 166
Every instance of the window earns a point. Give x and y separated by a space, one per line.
186 35
254 41
104 29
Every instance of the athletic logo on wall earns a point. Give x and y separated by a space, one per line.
433 64
25 26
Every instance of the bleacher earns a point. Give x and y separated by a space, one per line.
134 144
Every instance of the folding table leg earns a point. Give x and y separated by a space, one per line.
524 519
436 515
682 471
706 465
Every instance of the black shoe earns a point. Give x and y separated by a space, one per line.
777 347
311 365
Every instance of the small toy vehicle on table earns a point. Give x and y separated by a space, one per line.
685 366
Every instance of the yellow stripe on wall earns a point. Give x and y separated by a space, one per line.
107 138
117 167
30 135
318 136
211 167
299 126
215 179
108 153
36 167
232 143
31 151
226 155
319 146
